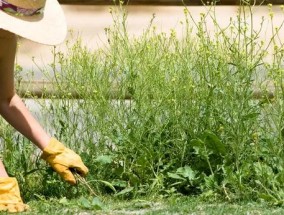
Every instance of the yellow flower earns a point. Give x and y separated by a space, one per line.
221 129
255 136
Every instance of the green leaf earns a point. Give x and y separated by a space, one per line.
186 172
97 204
175 176
214 142
197 143
177 183
124 191
108 184
199 146
119 183
250 116
63 201
104 159
84 203
266 197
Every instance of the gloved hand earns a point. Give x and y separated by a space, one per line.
10 199
63 160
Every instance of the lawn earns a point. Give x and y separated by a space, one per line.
173 205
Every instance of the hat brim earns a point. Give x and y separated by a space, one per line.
48 28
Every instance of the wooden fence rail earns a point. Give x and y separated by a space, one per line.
47 90
169 2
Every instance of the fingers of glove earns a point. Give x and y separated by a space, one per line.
81 169
19 208
65 173
74 161
13 208
68 176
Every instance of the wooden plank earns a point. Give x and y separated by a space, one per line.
168 2
47 90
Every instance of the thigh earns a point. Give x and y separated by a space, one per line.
8 45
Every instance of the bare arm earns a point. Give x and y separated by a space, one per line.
12 107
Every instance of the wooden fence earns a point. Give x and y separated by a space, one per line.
46 89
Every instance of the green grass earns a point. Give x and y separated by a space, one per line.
173 205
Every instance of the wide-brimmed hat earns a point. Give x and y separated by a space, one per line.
42 21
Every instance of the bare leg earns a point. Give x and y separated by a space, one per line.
11 106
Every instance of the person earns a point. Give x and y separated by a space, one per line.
41 21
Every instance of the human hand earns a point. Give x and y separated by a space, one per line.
63 160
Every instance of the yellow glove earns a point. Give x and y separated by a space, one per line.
63 160
10 199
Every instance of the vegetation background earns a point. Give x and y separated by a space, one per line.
160 117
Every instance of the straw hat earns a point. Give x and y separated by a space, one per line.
41 21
